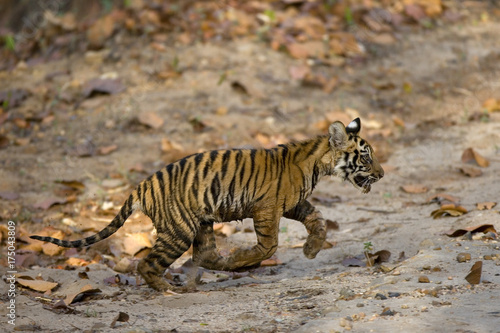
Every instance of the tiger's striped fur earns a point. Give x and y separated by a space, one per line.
185 198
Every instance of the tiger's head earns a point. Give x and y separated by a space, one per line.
354 157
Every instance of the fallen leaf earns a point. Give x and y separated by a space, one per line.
150 119
84 291
49 202
474 276
239 87
273 261
491 105
415 188
77 262
4 141
299 72
100 31
353 262
484 228
324 199
38 285
470 171
106 150
75 184
198 125
133 243
449 210
102 86
442 197
381 256
84 149
470 156
168 145
486 205
5 195
415 12
122 317
331 225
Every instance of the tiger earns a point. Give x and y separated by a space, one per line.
185 198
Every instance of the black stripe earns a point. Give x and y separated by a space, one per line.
225 163
198 158
215 188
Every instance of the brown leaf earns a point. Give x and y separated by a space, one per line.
49 202
198 125
168 145
474 276
122 317
492 104
486 205
4 141
150 119
38 285
310 49
449 210
102 86
415 188
273 261
470 156
100 31
470 171
133 243
299 72
106 150
332 225
415 12
84 291
484 228
75 184
382 256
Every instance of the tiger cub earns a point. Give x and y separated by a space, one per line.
185 198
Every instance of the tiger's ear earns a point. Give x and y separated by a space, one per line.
354 126
338 135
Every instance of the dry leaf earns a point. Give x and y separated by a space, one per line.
470 171
106 150
38 285
150 119
491 105
49 202
448 210
484 228
486 205
75 184
415 188
100 31
168 145
84 291
77 262
474 277
122 317
273 261
133 243
470 155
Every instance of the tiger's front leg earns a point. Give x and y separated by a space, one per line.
315 225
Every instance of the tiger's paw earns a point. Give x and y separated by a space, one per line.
312 246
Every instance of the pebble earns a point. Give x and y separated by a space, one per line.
380 296
387 312
423 279
405 306
360 305
111 183
463 257
394 294
487 257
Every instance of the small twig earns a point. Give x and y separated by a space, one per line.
373 210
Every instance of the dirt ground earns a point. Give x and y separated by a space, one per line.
435 82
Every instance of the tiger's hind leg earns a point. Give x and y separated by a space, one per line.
315 225
266 227
205 252
165 251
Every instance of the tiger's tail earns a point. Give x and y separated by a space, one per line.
126 210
